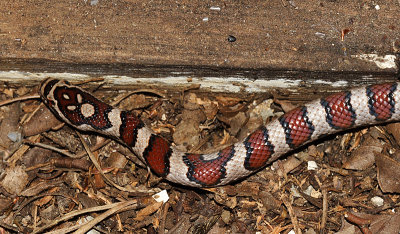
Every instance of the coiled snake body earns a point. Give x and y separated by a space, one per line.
340 111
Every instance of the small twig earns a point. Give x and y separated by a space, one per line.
161 229
97 164
152 91
41 145
73 214
96 147
95 79
278 229
324 204
179 224
35 213
342 171
23 98
200 144
26 202
292 214
324 209
362 223
9 227
89 225
98 167
28 117
68 229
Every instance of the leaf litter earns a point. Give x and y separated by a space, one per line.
352 187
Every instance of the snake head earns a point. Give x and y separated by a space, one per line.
45 89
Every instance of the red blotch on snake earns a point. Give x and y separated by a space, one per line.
338 109
298 129
208 172
381 102
157 155
258 149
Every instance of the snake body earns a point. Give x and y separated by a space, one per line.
360 106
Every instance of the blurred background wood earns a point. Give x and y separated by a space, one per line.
305 47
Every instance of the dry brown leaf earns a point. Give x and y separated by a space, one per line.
46 199
286 105
10 124
21 150
37 188
98 181
41 121
191 102
148 210
394 129
73 179
210 109
228 101
226 200
36 156
388 173
380 224
232 111
116 160
364 156
187 131
29 108
5 203
134 102
236 123
247 188
15 180
9 92
269 201
290 164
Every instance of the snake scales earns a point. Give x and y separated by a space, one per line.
340 111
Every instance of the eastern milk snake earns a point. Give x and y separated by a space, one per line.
340 111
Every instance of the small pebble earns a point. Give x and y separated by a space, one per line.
294 192
215 8
312 166
231 38
377 201
320 35
161 196
14 136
